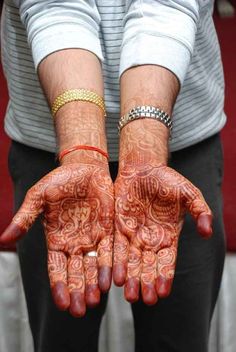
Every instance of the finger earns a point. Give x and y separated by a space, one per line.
92 291
57 270
198 208
105 262
25 217
204 224
121 250
166 261
131 289
148 276
76 284
12 234
105 230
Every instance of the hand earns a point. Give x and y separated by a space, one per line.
78 209
150 203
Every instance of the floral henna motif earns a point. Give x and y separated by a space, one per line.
91 270
121 252
76 285
148 276
91 274
105 251
151 200
57 267
77 203
150 206
134 262
76 273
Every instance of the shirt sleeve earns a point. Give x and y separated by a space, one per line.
56 25
159 32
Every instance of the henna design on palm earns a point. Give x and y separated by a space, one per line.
77 204
150 204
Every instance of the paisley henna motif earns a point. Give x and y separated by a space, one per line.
91 270
92 291
76 273
77 203
151 200
57 267
150 209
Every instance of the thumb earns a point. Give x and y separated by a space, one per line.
204 224
199 210
12 233
25 217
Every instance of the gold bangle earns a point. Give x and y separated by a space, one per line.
77 95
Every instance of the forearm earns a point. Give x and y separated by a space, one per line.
146 139
76 122
157 46
53 29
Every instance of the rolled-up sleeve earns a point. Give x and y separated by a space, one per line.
58 25
160 33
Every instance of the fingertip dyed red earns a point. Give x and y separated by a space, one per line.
205 233
12 233
77 304
131 290
61 295
149 294
92 295
104 278
204 225
119 274
163 286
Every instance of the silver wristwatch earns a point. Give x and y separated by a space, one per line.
141 112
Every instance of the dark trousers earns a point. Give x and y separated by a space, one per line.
179 323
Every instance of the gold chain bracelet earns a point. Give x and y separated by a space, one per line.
77 95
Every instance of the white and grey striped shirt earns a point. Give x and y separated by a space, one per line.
178 35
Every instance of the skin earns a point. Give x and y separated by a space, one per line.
151 199
77 206
76 200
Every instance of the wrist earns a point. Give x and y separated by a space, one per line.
83 154
81 124
144 141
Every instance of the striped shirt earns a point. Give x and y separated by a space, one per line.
179 35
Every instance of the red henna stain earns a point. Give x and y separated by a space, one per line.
90 270
92 295
77 304
204 225
75 199
57 267
105 251
119 274
149 294
104 278
151 200
163 286
12 234
61 295
131 290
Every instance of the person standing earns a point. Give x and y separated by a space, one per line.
165 53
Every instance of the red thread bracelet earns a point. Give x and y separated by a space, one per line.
81 147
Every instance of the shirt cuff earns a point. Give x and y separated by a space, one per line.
146 49
68 36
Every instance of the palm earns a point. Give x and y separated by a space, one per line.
78 210
150 206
